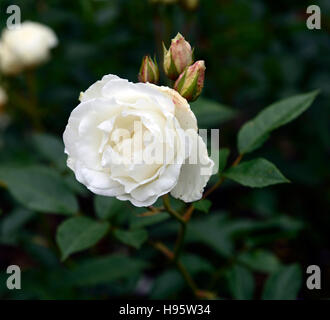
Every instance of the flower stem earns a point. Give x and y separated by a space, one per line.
237 160
33 109
175 256
186 276
200 294
163 249
182 231
170 210
180 241
183 220
214 187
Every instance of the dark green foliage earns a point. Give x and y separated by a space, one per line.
241 243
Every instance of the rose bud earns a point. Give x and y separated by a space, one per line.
191 82
177 57
149 71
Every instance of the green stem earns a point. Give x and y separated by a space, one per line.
199 294
170 210
180 241
32 107
186 276
183 227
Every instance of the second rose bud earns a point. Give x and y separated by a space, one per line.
191 82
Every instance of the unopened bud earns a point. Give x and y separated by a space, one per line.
177 57
191 82
149 71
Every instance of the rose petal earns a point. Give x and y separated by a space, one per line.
194 177
95 90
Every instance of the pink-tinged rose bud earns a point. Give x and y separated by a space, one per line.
191 82
177 57
149 71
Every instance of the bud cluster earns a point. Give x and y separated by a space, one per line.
179 66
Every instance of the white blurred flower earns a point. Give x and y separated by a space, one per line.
161 118
25 46
9 64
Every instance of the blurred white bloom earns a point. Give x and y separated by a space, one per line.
115 115
9 64
25 46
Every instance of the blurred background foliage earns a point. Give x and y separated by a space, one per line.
251 243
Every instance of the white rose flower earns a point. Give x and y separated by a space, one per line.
112 114
25 46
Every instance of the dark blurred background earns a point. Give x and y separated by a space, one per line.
256 52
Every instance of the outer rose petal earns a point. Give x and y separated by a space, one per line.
150 201
129 93
98 182
95 90
160 186
183 112
81 138
194 177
